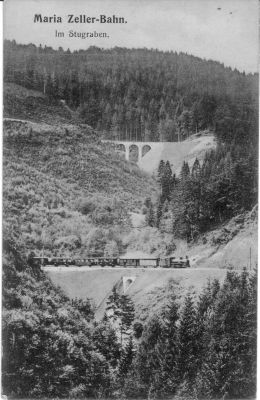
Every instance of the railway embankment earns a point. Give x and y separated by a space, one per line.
176 152
149 291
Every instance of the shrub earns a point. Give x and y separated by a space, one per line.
87 206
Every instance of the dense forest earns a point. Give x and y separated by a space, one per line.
206 194
53 347
138 94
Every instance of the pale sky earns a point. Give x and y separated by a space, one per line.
222 30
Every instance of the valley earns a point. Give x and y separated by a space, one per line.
122 153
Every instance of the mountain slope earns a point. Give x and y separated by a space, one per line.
62 186
23 103
234 244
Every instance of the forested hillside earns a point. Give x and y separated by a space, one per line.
42 328
139 94
64 191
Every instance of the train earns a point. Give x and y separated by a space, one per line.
161 262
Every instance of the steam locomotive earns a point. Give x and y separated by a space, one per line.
166 262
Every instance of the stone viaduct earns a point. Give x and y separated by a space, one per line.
140 148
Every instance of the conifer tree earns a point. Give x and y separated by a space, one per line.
185 171
127 355
159 211
127 314
166 181
187 345
150 217
171 345
160 173
113 305
195 172
147 362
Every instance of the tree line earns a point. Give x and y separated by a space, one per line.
137 94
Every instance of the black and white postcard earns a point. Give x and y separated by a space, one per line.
130 190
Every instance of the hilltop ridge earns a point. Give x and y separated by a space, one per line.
139 94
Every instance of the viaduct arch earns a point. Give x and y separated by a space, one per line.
133 150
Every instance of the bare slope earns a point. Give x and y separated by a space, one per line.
177 152
234 244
